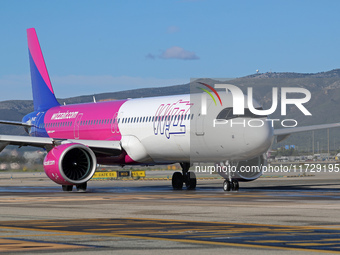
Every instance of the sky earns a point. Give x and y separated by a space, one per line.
93 47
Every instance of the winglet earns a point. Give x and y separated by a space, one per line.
43 94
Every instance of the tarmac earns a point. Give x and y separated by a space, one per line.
277 214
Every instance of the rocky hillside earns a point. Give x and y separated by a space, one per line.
324 105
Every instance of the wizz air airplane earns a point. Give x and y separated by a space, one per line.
143 131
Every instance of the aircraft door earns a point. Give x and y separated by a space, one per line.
199 125
114 124
201 120
77 125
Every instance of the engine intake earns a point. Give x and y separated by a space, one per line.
70 164
246 170
249 170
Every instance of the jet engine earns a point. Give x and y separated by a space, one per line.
246 170
70 164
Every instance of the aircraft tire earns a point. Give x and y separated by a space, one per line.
82 187
236 185
191 181
177 181
67 188
227 185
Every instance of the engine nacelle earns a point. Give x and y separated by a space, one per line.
70 164
246 170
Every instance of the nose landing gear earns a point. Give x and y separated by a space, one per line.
231 185
225 170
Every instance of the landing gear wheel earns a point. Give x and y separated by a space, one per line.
177 181
236 185
231 185
191 180
82 187
227 185
67 188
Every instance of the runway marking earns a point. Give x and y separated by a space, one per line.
265 236
11 245
166 197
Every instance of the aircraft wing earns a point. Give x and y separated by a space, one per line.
15 123
104 147
283 133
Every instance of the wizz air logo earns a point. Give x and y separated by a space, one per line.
171 118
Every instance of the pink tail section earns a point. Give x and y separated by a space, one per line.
43 94
34 48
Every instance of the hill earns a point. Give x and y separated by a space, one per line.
324 105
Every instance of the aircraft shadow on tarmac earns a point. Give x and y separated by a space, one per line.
206 188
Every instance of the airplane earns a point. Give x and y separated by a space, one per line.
142 131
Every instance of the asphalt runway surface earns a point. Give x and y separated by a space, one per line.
282 215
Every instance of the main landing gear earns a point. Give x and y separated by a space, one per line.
80 187
67 188
189 178
231 185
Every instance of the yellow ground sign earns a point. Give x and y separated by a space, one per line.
105 175
138 173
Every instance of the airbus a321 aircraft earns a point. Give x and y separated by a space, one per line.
143 131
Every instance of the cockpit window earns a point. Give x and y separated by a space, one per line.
227 114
